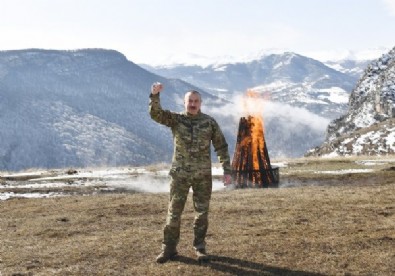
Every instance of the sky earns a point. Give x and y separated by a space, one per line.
165 31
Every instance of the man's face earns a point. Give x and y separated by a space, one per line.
192 103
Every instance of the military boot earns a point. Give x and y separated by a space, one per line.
166 255
201 255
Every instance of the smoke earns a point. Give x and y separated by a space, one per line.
294 117
291 117
151 184
142 183
238 106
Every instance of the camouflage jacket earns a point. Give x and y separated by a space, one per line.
192 136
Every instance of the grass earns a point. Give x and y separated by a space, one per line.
328 225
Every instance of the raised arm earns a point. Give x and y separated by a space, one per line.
164 117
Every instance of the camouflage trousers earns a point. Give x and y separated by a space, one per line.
201 184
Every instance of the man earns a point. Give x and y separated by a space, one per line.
193 133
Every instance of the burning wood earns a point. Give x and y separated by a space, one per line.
251 163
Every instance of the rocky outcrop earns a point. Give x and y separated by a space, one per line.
371 112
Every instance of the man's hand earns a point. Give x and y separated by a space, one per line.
227 179
156 88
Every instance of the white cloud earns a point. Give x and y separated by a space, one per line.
337 54
390 4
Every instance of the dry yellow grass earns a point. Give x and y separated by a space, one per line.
342 226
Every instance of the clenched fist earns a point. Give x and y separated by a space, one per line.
156 88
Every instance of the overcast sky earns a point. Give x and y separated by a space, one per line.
157 31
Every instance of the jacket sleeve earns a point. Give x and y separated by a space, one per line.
221 148
164 117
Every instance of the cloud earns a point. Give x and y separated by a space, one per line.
390 4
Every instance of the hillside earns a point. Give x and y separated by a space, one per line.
80 108
368 126
318 224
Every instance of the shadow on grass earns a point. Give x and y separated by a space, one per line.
234 266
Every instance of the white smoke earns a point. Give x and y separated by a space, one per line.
291 117
151 184
294 116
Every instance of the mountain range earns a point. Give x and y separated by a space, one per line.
89 107
287 78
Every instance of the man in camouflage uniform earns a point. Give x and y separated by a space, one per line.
193 133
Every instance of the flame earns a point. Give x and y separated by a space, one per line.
251 158
253 105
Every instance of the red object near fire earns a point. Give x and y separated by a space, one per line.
251 163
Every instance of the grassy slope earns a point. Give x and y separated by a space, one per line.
341 229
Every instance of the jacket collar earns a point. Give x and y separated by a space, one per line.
189 115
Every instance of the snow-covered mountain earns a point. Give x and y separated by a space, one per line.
89 107
286 78
350 67
80 108
368 126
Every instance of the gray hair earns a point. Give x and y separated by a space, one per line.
194 92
